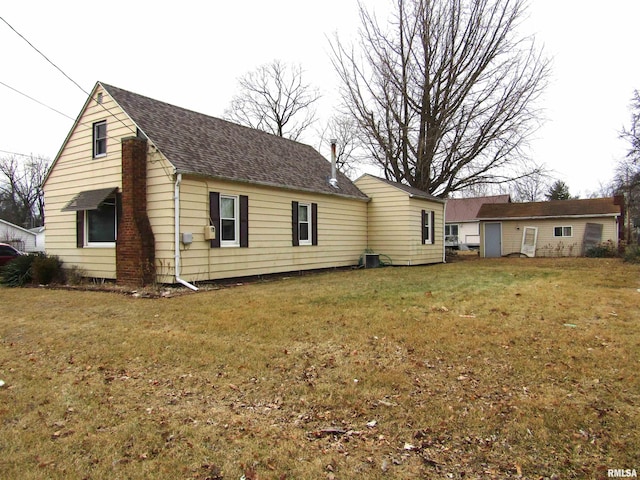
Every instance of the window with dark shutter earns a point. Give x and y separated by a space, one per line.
214 217
294 224
244 221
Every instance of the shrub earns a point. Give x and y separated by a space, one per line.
632 254
46 270
17 273
603 250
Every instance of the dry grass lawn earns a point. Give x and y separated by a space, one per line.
506 368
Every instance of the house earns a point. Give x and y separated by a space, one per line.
560 228
462 228
143 191
20 238
40 238
404 224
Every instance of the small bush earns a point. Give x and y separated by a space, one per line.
46 270
603 250
632 254
17 273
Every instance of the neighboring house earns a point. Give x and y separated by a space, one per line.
143 191
18 237
560 228
404 224
40 238
462 227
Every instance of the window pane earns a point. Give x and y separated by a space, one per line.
228 230
303 213
100 138
227 207
454 229
102 223
304 232
567 231
557 231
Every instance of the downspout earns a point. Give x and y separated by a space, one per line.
176 208
444 224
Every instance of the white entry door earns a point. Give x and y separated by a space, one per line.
529 239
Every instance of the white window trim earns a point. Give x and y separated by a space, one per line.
563 235
89 244
236 219
430 237
309 240
95 139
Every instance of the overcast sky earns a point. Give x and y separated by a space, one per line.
191 53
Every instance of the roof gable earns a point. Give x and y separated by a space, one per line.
466 209
554 208
410 191
198 144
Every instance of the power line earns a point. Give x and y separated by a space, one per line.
63 73
36 100
44 56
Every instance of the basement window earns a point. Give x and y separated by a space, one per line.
563 231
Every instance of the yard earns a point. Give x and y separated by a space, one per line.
505 368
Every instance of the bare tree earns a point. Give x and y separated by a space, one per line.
632 134
21 195
446 97
627 174
531 188
344 130
274 98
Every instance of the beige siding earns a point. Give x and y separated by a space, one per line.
395 221
547 245
76 170
341 227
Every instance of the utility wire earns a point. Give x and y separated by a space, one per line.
36 100
63 73
44 56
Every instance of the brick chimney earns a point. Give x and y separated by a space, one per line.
135 246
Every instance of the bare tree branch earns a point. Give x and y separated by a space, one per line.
446 97
274 98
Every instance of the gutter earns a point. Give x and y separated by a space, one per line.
176 207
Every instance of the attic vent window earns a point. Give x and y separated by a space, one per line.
99 99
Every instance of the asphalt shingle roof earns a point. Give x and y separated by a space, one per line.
198 144
466 209
555 208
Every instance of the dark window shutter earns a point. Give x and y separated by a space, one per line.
432 229
423 227
214 217
314 224
118 212
294 223
80 228
244 221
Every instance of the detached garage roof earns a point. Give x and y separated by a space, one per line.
592 207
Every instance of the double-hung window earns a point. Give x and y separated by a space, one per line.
304 223
229 215
229 221
100 139
562 231
428 224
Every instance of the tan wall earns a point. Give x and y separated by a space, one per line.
395 221
76 170
341 222
547 245
342 229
